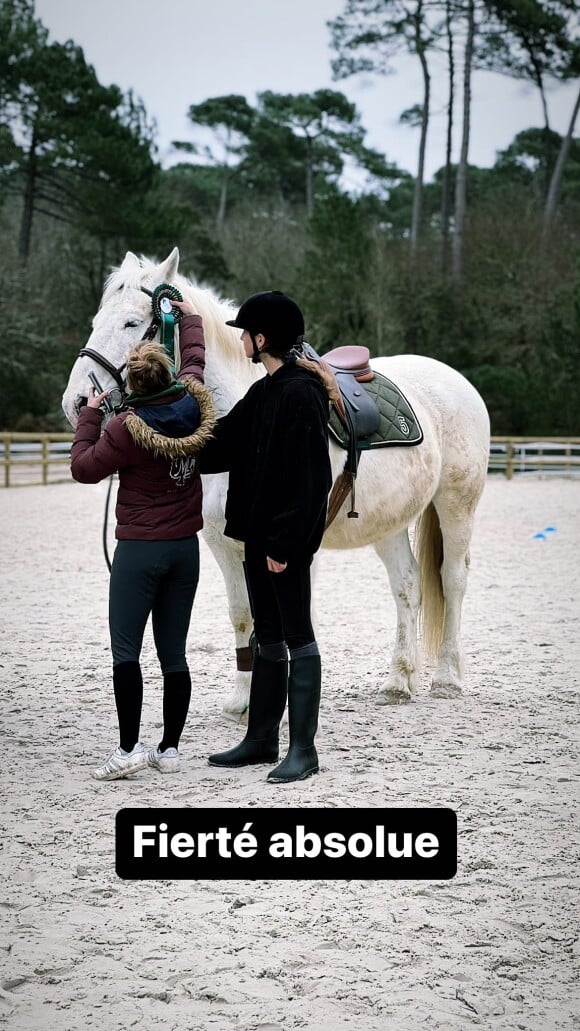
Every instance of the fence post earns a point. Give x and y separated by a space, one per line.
45 461
509 465
6 460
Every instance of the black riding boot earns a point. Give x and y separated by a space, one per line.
267 702
303 703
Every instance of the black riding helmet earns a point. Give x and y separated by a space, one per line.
275 315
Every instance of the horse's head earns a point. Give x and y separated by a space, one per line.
121 321
124 316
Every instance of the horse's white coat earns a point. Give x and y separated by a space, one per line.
394 485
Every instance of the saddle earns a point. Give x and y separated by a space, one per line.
368 410
350 366
352 360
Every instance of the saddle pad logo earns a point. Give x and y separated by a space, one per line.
404 426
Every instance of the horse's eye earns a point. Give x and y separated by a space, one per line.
131 324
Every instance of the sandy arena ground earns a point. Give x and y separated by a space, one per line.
493 948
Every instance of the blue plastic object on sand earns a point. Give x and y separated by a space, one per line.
543 535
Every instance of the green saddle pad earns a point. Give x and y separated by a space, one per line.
398 424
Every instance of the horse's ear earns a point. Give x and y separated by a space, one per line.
131 263
168 268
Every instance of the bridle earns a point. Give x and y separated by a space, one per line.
113 370
164 318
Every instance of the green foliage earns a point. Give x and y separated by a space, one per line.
183 193
530 158
557 366
231 113
368 35
262 206
505 390
334 291
530 39
325 114
79 151
290 148
273 170
263 246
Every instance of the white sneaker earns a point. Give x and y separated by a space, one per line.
122 764
165 762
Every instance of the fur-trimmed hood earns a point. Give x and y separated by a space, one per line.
162 444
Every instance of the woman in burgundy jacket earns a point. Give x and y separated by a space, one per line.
152 445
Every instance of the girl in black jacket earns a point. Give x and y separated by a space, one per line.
274 443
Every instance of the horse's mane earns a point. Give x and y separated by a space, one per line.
213 310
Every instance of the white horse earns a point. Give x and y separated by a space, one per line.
436 485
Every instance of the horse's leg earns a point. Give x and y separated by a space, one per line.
229 558
456 530
404 578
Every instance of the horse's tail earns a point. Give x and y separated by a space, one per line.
429 554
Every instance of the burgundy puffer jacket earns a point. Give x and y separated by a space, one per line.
154 451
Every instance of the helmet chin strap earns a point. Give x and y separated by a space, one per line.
257 355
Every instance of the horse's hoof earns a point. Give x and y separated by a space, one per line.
236 717
393 696
445 689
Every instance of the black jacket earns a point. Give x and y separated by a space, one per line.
274 443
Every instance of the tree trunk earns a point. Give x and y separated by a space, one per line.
102 260
461 183
540 84
309 178
556 180
418 194
446 183
28 208
223 201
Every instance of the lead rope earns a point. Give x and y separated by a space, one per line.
106 522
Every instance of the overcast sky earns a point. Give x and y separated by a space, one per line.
179 53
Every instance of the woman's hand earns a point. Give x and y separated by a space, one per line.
275 567
186 307
96 400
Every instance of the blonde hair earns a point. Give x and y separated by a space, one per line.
148 368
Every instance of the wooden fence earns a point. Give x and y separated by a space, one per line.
32 459
550 456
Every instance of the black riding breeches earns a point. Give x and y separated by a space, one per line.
280 602
158 578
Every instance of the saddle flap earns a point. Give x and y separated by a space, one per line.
363 411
